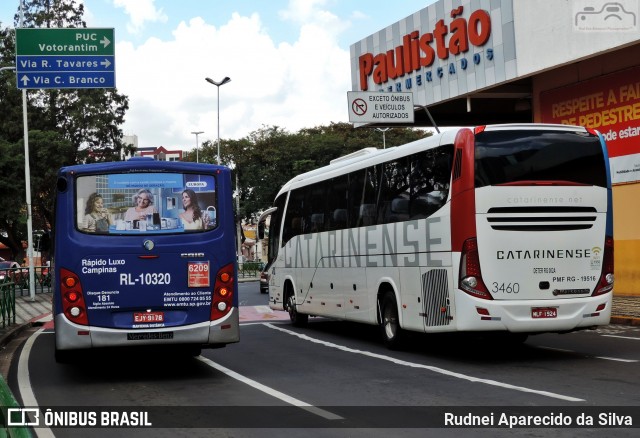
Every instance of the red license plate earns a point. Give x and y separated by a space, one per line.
148 317
544 312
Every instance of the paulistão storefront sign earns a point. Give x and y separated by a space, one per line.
610 104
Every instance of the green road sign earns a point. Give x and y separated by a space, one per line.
66 41
65 58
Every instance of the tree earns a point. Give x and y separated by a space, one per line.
269 157
66 126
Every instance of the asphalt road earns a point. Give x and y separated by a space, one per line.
334 378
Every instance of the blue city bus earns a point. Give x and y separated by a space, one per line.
144 255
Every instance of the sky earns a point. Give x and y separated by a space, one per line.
288 61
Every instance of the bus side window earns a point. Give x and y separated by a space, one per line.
363 190
396 185
293 220
367 215
338 201
430 174
339 219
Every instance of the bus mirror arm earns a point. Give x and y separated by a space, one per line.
262 221
433 122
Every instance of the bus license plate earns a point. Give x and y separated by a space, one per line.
148 317
544 312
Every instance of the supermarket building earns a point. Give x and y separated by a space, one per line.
476 62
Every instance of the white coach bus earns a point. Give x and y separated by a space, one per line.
497 228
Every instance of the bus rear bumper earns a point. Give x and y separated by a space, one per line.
71 336
531 316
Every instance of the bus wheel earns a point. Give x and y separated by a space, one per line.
297 319
390 323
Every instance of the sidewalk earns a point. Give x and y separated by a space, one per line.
626 310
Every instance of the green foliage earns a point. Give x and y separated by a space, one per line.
269 157
71 126
65 127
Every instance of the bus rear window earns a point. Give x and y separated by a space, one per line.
503 157
148 203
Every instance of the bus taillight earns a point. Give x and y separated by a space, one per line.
222 300
73 304
606 276
470 275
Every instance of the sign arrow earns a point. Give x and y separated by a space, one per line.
105 42
105 63
25 80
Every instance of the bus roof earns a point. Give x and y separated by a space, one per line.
143 164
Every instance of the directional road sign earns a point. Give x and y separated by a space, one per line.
65 58
379 107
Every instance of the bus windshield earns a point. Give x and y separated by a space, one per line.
149 203
503 157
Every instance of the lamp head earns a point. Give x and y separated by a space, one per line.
218 84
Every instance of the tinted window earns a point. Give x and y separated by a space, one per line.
394 194
146 203
430 176
274 227
337 198
410 187
363 195
293 220
534 155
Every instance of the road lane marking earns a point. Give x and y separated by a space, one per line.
563 350
427 367
24 384
633 338
261 313
270 391
616 359
29 398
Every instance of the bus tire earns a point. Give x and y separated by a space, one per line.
390 322
297 319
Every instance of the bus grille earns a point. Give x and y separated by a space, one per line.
541 218
435 293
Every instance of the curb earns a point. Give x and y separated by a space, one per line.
625 320
13 332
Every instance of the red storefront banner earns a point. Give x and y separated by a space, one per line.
610 104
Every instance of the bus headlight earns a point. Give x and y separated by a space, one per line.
609 278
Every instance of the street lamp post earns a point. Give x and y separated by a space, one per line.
197 144
218 84
384 137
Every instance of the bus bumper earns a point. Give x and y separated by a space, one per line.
70 336
529 316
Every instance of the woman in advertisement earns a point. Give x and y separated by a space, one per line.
96 217
192 218
143 201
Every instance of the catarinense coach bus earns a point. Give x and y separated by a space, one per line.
497 228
